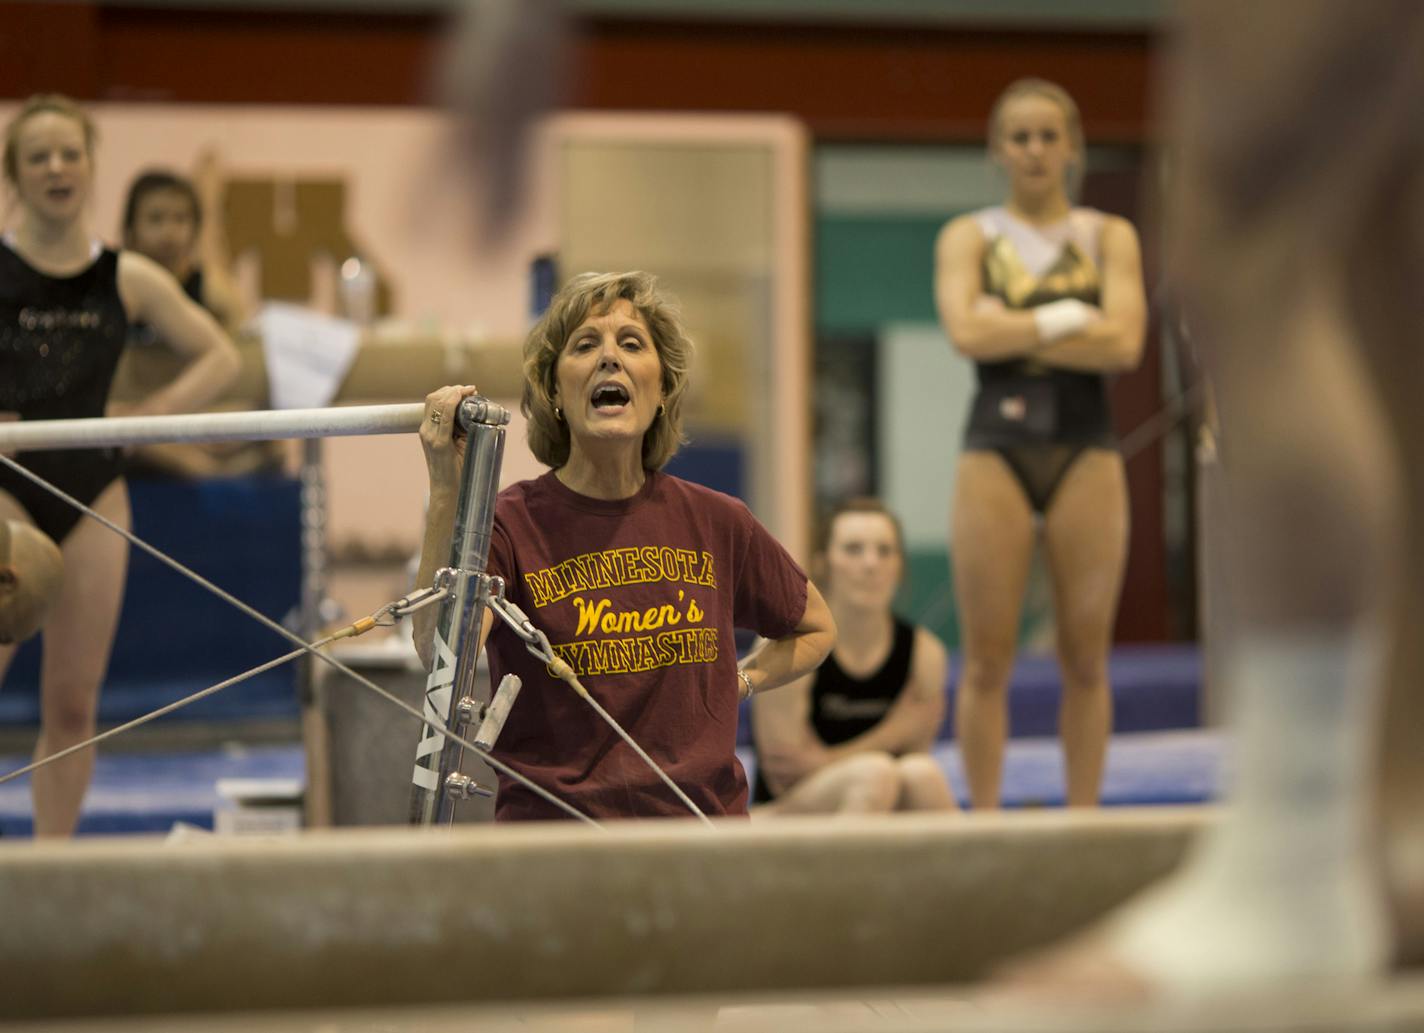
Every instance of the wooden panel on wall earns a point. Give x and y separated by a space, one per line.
717 207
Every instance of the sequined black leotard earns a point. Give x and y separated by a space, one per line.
60 341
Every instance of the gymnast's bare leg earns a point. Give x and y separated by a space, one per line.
1383 276
77 641
1301 224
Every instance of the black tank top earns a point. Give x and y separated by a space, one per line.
193 285
843 707
60 337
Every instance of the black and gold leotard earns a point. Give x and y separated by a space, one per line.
1037 417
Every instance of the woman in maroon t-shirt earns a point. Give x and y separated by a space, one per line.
637 578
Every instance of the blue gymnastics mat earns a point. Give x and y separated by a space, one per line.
174 637
1154 688
1143 768
146 793
138 793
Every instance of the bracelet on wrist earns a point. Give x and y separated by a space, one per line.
746 680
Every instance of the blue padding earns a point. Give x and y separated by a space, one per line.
148 792
1155 688
1183 767
719 465
143 792
241 533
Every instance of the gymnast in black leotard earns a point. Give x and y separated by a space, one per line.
1046 299
60 341
855 736
64 304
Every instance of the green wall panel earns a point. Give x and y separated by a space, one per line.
874 269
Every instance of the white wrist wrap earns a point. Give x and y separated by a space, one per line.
1059 319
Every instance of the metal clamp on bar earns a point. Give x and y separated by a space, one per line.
478 409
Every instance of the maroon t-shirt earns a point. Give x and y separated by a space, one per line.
639 596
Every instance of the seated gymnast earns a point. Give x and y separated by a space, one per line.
1047 300
65 304
855 736
638 578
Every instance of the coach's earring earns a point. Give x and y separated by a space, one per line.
662 409
558 414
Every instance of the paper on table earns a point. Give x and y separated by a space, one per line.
308 354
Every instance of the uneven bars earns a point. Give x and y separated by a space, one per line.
256 425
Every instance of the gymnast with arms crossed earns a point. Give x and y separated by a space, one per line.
638 578
1047 300
855 736
65 304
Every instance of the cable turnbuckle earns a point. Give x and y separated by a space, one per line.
388 615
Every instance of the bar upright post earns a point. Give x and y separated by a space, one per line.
437 759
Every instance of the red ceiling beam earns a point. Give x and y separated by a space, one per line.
897 83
